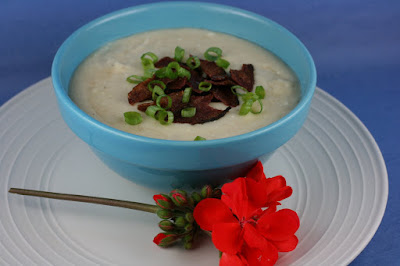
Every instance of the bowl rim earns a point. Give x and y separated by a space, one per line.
63 95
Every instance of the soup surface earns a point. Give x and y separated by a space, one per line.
100 89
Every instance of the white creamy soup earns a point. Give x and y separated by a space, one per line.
100 89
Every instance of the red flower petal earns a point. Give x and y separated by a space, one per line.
278 226
257 172
256 192
227 237
257 257
286 245
212 211
280 194
236 196
231 260
157 239
275 183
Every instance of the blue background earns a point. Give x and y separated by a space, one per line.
355 45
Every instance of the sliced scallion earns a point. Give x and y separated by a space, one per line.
260 92
172 70
205 86
157 91
183 73
165 114
246 107
152 110
261 107
179 54
213 53
161 73
193 62
133 118
135 79
199 138
152 56
186 95
169 99
222 63
235 89
188 112
154 83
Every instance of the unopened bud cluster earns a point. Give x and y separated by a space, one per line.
176 210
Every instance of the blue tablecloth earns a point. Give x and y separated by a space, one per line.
355 45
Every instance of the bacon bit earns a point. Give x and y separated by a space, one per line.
225 95
244 77
204 112
212 70
140 92
174 85
163 62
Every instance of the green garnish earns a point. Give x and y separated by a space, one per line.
135 79
165 114
199 138
183 73
161 73
222 63
179 54
260 92
213 53
205 86
186 95
188 112
172 70
152 110
193 62
157 91
159 83
158 101
235 89
152 56
133 118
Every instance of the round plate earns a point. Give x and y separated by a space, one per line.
336 170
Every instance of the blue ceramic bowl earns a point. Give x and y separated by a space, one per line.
165 163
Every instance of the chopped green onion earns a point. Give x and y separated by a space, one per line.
161 73
186 95
193 62
260 92
157 91
152 110
214 50
205 86
261 107
222 63
183 73
169 104
148 67
237 87
250 96
179 53
157 82
172 70
188 112
153 57
165 114
246 107
135 79
199 138
133 118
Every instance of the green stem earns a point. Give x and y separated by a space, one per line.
79 198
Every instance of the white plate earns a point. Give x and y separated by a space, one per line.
333 164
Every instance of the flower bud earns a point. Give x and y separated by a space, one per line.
166 225
188 245
165 214
165 240
189 217
196 197
188 227
179 197
206 191
163 201
188 238
217 193
180 221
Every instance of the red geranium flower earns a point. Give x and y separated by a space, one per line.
246 233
